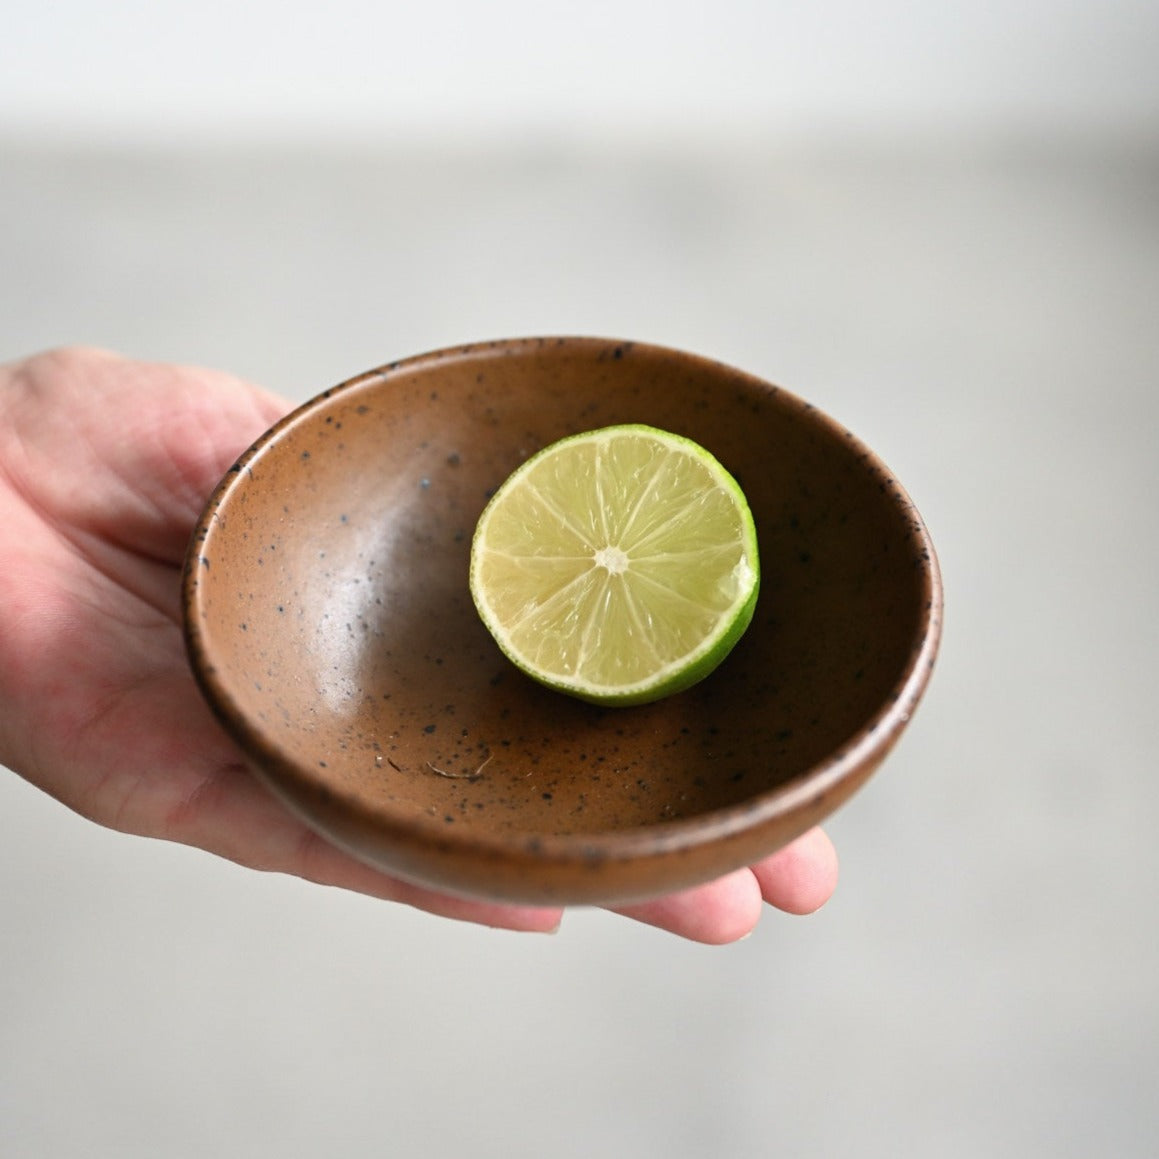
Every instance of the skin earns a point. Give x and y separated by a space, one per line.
105 464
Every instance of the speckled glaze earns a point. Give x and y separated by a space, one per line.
330 626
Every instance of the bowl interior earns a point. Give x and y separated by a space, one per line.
330 624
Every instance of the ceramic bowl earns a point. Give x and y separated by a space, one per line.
330 626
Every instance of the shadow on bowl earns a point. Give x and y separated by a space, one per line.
330 627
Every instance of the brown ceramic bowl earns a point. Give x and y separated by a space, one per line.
330 627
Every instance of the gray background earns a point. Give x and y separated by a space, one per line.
943 230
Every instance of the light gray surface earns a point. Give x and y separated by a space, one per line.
984 982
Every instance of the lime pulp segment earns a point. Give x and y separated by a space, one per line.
619 565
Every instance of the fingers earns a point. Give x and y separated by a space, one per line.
800 878
715 914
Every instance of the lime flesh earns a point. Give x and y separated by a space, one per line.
619 565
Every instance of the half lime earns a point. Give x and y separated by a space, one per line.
619 565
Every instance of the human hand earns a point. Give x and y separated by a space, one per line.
105 465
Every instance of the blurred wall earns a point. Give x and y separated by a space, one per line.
351 67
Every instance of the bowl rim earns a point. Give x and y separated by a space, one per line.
864 747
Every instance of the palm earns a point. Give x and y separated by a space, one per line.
104 466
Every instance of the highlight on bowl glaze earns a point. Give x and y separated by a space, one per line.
330 627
